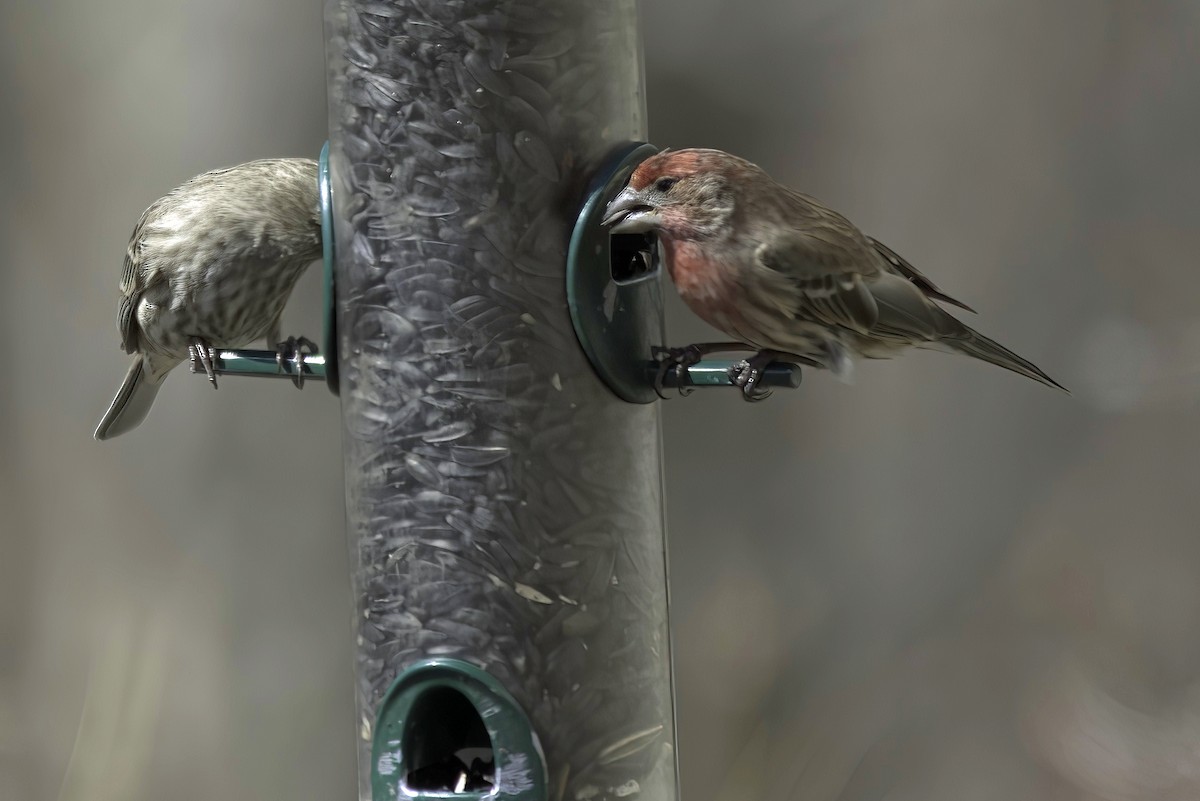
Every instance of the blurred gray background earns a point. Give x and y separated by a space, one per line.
942 582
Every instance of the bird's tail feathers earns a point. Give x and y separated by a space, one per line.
973 343
132 403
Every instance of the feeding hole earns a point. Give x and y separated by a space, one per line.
633 257
446 746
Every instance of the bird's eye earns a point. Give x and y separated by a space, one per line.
665 184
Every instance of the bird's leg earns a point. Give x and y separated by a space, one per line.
295 348
680 359
748 372
201 352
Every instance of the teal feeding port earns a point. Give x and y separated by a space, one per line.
330 339
613 287
447 729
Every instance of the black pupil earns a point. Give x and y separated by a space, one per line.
664 184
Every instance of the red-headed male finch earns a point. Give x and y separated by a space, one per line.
783 273
211 265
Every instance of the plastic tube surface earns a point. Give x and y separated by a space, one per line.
504 507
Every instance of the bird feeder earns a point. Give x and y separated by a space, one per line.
491 344
504 503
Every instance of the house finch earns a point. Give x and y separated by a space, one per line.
211 265
783 273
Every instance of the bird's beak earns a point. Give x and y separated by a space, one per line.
628 213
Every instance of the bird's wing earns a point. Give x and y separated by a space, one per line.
134 280
907 314
902 266
826 263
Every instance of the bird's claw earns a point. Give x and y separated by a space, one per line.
746 376
748 372
677 360
294 348
205 355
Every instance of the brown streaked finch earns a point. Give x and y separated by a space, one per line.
211 265
784 274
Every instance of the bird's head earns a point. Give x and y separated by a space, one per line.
683 194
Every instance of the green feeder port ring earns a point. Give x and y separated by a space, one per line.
613 288
329 342
447 729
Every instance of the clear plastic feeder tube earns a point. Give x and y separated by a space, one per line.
504 507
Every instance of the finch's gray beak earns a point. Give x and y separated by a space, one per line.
628 213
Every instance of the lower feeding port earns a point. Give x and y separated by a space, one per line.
447 729
447 745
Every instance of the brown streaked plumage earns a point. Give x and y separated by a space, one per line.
211 263
786 275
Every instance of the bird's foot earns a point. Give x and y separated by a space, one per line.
294 348
205 355
748 372
678 360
